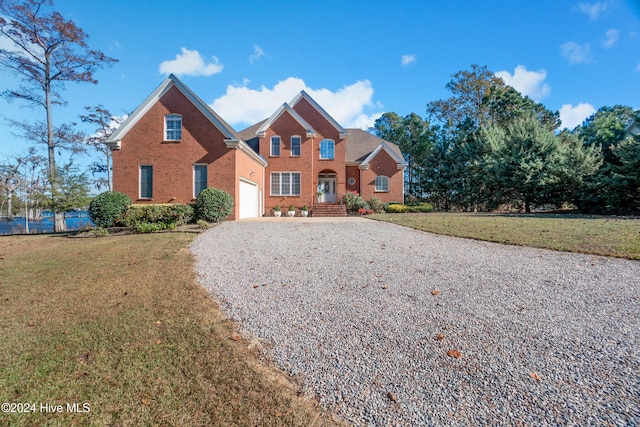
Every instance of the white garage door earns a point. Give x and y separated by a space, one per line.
248 200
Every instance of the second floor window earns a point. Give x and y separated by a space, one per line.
275 146
327 149
172 127
295 146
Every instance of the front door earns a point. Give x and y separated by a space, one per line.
326 188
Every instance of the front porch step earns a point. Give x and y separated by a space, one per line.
328 209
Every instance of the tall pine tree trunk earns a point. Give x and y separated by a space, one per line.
59 223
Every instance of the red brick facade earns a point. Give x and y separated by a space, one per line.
172 162
358 157
382 165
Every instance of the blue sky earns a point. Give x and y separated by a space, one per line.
356 58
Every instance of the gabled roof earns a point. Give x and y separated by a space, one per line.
156 95
250 132
279 112
232 138
362 147
323 113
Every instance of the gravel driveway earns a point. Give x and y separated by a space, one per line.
386 325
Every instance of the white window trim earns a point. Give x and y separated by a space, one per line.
173 116
334 149
280 183
140 182
386 180
299 146
194 177
271 146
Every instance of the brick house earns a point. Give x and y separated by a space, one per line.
174 145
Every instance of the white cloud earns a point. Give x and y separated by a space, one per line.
351 106
407 60
575 53
573 116
612 37
190 63
258 53
529 83
593 10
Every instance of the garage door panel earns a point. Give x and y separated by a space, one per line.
248 200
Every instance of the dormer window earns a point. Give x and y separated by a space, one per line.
173 127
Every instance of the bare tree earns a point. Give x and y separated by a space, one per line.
106 124
47 51
10 182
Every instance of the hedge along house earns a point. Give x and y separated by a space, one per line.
174 145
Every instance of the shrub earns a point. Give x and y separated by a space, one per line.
150 227
107 208
365 211
376 204
277 208
352 201
411 200
202 224
176 214
422 207
213 205
292 208
395 208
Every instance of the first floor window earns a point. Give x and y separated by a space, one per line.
382 184
146 182
172 127
285 183
275 146
199 179
327 149
295 146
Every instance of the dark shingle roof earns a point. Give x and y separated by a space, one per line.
250 132
360 144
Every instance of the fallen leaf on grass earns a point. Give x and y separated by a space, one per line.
435 292
454 353
439 337
392 397
535 376
145 401
385 287
235 337
158 322
159 342
278 414
255 286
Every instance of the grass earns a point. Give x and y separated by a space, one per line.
609 236
120 323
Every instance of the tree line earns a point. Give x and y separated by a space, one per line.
45 51
488 147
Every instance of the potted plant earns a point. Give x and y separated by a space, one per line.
305 210
292 210
277 211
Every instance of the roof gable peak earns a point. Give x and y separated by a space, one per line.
168 83
304 95
262 130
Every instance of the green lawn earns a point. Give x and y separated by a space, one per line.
120 324
610 236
